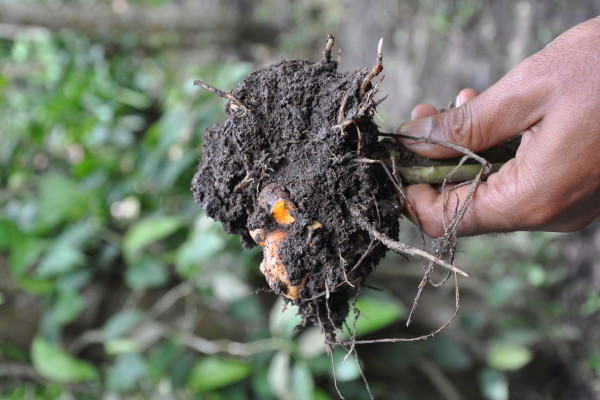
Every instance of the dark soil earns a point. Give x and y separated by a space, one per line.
285 134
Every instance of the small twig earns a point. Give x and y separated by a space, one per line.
328 47
236 103
377 68
17 371
239 349
169 299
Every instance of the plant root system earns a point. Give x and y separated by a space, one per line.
299 168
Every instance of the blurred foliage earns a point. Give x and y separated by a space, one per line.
116 286
98 224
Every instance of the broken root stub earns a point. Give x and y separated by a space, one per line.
282 174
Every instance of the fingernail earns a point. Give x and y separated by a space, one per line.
418 128
413 114
459 100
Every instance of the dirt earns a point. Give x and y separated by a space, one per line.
299 129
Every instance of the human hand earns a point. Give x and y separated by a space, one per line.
553 183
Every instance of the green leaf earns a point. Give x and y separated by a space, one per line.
504 290
375 313
37 286
449 354
283 319
61 199
593 361
494 385
126 372
310 343
7 230
148 231
163 357
121 346
346 369
3 83
56 365
146 273
196 250
77 234
12 352
68 307
279 375
59 260
321 395
24 251
508 356
591 305
121 323
302 382
211 373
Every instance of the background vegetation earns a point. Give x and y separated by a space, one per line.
114 285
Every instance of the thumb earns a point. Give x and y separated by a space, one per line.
503 111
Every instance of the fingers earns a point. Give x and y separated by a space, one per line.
480 122
427 110
530 192
491 209
422 111
465 95
552 183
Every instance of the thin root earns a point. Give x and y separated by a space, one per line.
398 246
328 47
377 68
446 244
359 146
344 263
330 352
419 338
234 103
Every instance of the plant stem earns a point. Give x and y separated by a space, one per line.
436 174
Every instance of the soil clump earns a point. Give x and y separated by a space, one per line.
284 171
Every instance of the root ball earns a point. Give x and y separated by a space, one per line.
281 171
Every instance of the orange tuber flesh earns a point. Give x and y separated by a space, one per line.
273 268
281 212
276 201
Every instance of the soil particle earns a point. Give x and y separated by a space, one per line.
283 134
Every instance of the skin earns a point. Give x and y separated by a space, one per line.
553 183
